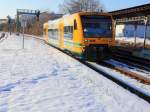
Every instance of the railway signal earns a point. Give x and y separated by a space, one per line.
26 12
37 15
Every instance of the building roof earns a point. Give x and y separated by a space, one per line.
144 7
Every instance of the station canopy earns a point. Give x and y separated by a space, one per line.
137 13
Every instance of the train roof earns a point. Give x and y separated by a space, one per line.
93 13
81 13
89 13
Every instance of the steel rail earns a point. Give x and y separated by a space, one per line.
138 60
126 72
132 64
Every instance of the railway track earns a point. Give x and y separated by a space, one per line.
140 93
136 60
129 62
126 72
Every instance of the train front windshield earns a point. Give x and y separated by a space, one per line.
97 26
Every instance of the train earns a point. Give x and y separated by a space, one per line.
85 35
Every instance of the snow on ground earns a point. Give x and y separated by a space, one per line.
40 78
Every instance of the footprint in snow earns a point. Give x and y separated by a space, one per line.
8 87
54 72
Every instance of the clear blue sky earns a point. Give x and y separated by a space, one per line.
8 7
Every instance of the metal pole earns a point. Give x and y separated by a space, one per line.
10 28
23 39
115 24
145 31
135 31
9 24
114 31
17 23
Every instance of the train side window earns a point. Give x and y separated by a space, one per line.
71 29
53 33
68 32
75 25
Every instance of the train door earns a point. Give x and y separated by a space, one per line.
61 34
77 35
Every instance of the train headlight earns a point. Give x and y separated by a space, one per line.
86 40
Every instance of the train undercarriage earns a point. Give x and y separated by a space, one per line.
97 52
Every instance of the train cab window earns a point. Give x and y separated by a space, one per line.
75 25
68 32
97 26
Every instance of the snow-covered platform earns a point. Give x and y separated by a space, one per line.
40 78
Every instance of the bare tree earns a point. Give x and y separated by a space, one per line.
36 27
72 6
